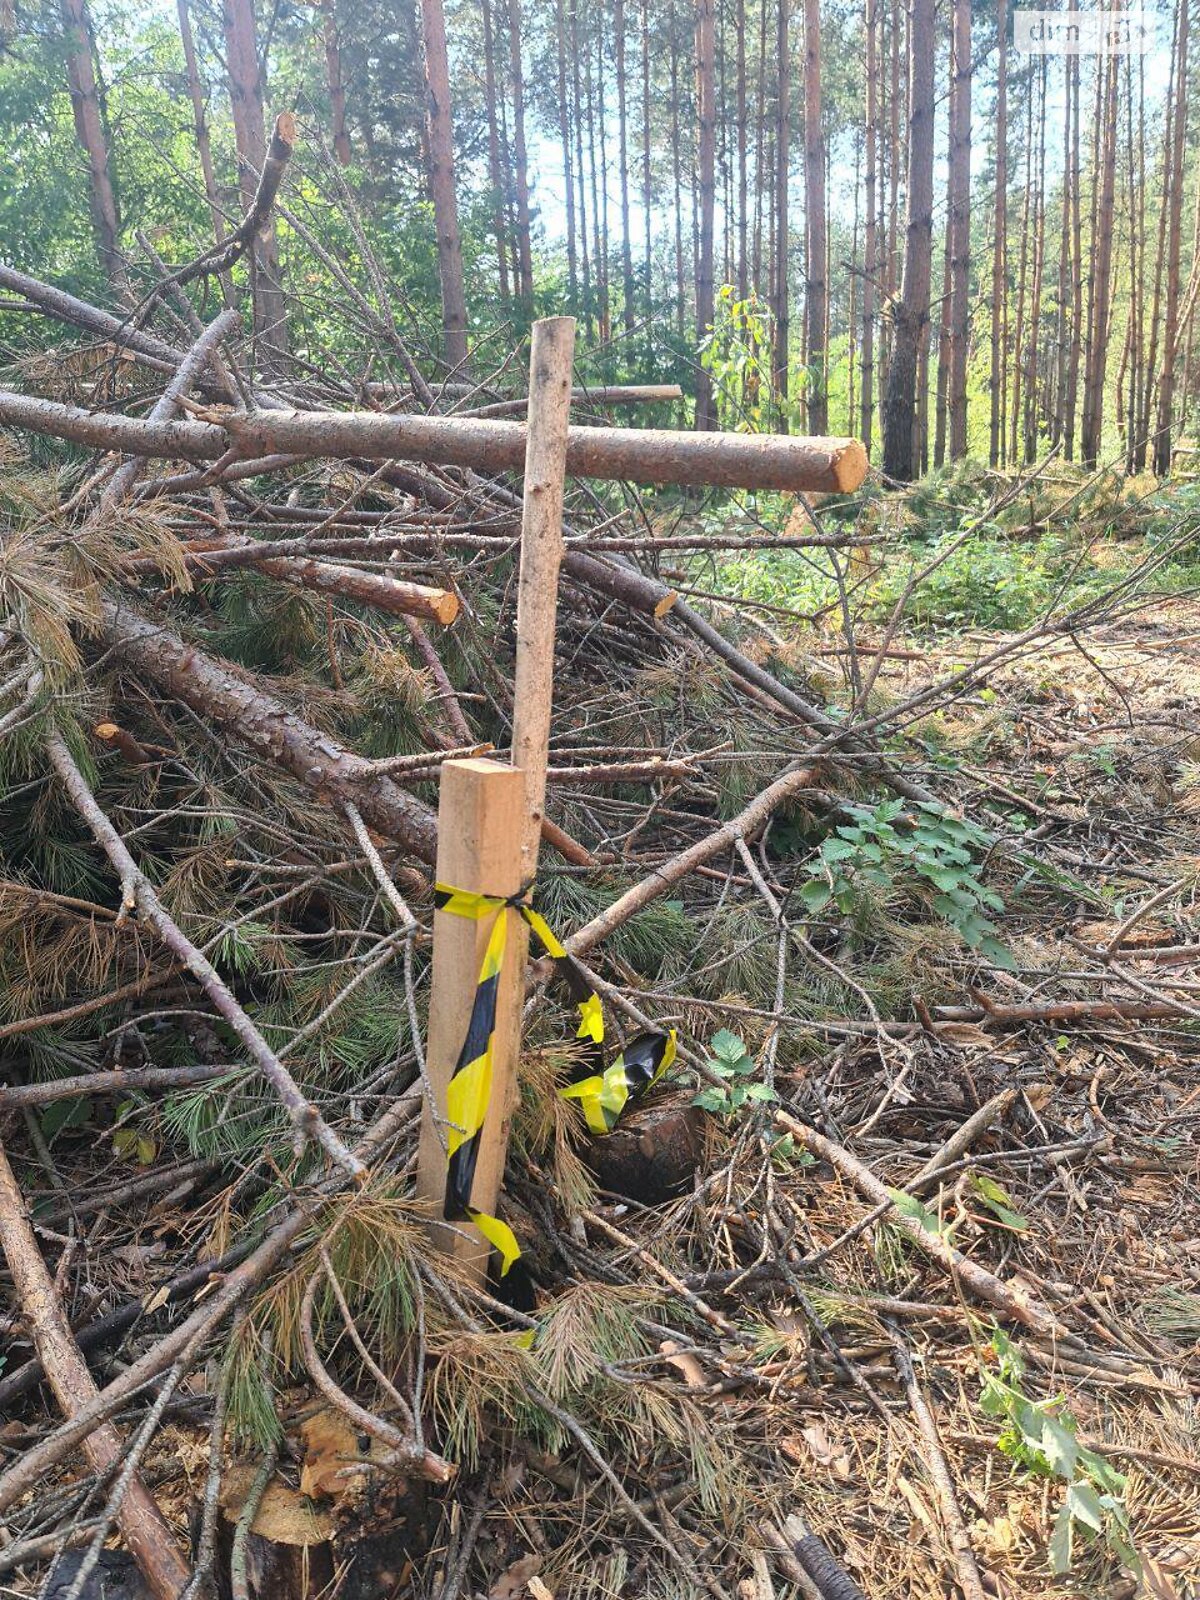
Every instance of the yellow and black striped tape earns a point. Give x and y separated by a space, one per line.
603 1092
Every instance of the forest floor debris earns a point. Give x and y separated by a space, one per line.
932 955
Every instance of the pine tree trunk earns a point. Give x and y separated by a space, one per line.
816 292
577 118
1018 345
706 178
999 243
89 130
677 179
1093 394
960 224
647 189
870 241
599 242
1141 442
335 83
1174 204
564 134
250 135
520 159
627 308
1136 341
1039 257
782 130
1070 399
1063 320
912 310
743 133
761 170
852 309
943 359
200 119
495 152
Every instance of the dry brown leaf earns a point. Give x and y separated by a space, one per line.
919 1509
540 1590
515 1580
678 1358
1156 1581
826 1453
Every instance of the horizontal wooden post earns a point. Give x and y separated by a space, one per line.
640 455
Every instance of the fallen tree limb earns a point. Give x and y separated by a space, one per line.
116 1082
184 377
663 878
137 891
1006 1298
255 719
80 314
966 1566
225 253
102 1330
1002 1015
29 1467
305 571
636 455
142 1524
612 394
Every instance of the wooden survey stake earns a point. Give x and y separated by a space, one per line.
489 823
480 816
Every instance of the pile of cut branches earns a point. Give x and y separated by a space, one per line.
936 1017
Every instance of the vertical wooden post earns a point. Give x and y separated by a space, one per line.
480 815
489 820
541 556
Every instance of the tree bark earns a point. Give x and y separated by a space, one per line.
254 719
577 116
999 242
1174 204
89 130
142 1524
1076 348
335 83
960 225
706 180
520 159
200 119
871 235
912 311
440 132
1035 294
642 455
647 191
564 135
495 162
1093 397
246 90
677 179
627 308
816 291
780 258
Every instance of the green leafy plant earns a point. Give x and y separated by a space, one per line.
882 847
1042 1437
733 1064
738 352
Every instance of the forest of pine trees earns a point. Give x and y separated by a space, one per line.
866 219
